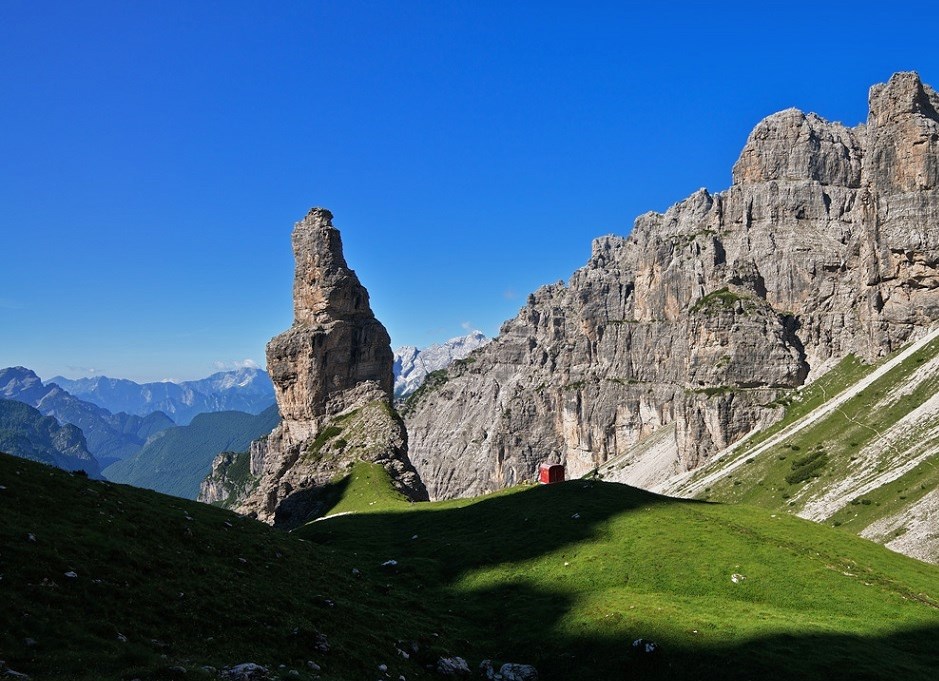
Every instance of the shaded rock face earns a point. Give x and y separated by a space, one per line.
331 369
689 330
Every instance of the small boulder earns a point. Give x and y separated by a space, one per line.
518 672
247 671
320 643
645 649
453 667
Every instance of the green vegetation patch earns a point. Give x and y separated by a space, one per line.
829 450
434 380
315 448
716 301
807 467
561 576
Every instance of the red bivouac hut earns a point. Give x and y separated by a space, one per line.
549 473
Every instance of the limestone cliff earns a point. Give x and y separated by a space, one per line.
332 374
678 340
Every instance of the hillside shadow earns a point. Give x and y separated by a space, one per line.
450 560
308 503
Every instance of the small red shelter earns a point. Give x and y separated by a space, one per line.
549 473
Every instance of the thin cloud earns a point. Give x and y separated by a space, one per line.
84 370
509 294
237 364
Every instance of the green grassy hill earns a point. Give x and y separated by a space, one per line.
564 577
868 463
177 460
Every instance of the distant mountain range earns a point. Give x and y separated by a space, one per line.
176 460
249 390
109 437
411 366
26 433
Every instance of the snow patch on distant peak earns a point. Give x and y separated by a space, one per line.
411 366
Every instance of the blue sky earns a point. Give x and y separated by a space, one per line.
155 155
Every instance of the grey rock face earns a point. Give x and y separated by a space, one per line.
676 341
332 374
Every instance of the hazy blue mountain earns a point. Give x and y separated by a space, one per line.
176 460
249 390
26 433
109 437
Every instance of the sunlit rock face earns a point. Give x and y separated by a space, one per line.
332 375
677 340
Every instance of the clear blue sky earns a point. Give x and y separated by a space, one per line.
155 155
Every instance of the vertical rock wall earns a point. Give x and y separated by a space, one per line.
684 334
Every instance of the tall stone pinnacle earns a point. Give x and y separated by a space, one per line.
333 380
336 352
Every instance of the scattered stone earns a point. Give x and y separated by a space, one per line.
487 671
356 572
645 648
511 671
382 668
30 642
71 574
10 673
176 670
453 667
313 666
247 671
294 674
121 637
736 578
320 643
390 566
228 524
3 488
242 560
30 537
209 669
576 516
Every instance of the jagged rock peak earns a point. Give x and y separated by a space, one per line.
683 337
902 95
792 145
324 288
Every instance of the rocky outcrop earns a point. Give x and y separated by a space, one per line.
685 333
332 374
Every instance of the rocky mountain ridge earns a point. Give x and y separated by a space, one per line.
26 433
246 389
692 328
412 365
109 437
332 375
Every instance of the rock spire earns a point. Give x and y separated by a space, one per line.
333 380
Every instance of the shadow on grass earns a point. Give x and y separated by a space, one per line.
311 502
470 565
